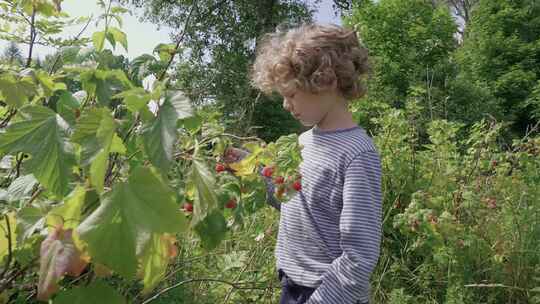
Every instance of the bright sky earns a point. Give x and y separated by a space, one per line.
142 37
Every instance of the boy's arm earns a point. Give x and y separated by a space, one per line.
360 234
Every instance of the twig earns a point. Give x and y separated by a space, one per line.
32 36
165 290
8 117
51 70
17 274
494 285
164 72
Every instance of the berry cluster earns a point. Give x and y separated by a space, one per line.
283 184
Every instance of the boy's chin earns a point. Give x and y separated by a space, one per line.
306 123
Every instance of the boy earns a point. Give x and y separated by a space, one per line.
330 231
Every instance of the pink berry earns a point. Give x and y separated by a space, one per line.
220 168
268 171
279 180
231 204
297 185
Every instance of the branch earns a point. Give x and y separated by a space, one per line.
235 285
32 36
163 73
51 70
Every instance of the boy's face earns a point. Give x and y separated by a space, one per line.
309 108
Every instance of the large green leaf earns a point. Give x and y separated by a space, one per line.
134 99
203 184
159 137
96 292
160 134
212 229
119 36
68 107
101 83
43 134
16 91
99 40
180 102
21 187
128 217
95 132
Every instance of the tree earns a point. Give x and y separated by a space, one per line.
12 54
502 49
219 47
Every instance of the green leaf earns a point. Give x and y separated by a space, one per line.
69 53
159 137
29 220
119 20
21 187
103 87
180 102
235 259
96 292
126 219
68 107
165 51
99 40
212 229
109 36
203 183
46 81
68 214
119 36
134 99
117 145
42 133
16 91
95 132
191 124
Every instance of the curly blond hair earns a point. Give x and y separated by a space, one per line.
310 57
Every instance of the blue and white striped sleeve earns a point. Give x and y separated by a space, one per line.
360 227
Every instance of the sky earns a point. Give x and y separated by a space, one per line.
142 36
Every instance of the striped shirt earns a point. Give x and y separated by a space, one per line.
330 231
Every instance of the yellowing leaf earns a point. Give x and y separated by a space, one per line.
68 214
155 259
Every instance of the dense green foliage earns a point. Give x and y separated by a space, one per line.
100 156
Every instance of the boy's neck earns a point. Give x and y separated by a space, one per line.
338 117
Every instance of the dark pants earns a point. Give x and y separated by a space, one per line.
292 293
